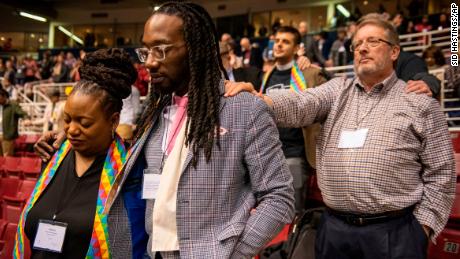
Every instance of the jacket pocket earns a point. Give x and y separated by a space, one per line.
232 230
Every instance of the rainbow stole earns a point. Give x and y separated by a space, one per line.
297 83
98 247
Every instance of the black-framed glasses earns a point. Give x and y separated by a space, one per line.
371 42
158 52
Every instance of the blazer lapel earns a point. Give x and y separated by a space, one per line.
132 158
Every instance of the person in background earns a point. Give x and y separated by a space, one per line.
10 113
129 114
311 49
9 86
251 54
242 74
70 59
31 70
60 71
399 23
53 115
46 65
288 75
143 77
74 72
339 54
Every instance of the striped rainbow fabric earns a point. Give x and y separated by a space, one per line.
297 82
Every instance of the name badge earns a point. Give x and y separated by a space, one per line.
150 184
353 138
50 236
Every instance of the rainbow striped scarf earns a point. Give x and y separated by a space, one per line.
98 247
297 83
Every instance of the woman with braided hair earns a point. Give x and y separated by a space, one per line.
64 216
201 162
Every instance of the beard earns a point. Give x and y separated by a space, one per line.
371 68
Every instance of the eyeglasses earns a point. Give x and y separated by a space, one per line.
158 52
371 42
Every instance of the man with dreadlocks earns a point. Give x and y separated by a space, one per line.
201 163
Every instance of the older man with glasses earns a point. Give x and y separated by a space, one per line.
384 159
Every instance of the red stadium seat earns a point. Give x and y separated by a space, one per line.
20 143
13 205
2 163
9 186
30 167
455 136
10 235
447 245
25 189
31 139
3 224
455 213
12 212
11 167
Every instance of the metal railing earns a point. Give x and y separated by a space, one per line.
34 99
418 42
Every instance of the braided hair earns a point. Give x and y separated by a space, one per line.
206 71
108 74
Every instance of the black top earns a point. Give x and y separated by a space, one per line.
291 138
73 199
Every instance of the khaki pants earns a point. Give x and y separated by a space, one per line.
125 131
7 147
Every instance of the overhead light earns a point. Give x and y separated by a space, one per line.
32 16
2 38
156 8
343 10
32 35
71 35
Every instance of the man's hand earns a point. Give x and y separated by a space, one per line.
304 63
418 87
301 51
45 150
329 63
233 88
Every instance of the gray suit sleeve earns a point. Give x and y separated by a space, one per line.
270 180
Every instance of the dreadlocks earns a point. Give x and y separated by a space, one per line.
206 71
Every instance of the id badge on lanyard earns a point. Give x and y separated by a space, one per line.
50 236
150 184
353 138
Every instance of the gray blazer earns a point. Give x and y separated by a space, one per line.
214 200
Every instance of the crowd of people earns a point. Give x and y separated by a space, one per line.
216 163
